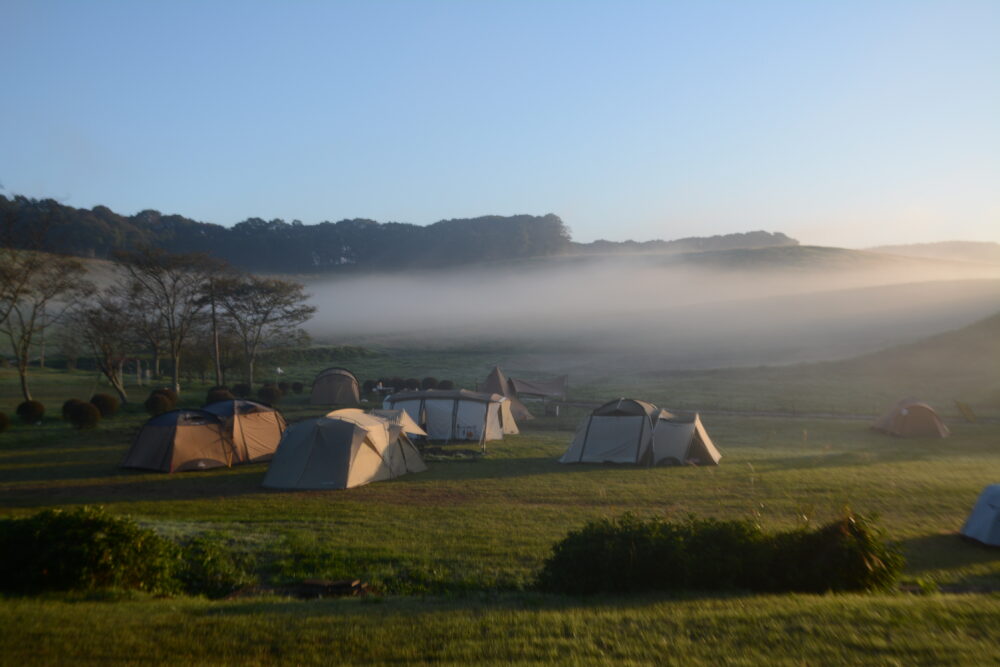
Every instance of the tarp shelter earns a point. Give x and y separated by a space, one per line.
627 430
911 418
553 388
457 414
181 440
401 418
347 448
683 441
983 525
498 383
254 428
335 386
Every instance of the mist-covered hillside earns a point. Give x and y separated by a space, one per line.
966 251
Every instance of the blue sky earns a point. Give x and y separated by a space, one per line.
840 123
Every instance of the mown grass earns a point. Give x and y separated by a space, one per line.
472 534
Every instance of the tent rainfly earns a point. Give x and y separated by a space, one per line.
911 418
498 383
632 431
347 448
983 525
400 418
181 440
457 414
553 388
254 428
335 386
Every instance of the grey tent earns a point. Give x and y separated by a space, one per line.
631 431
552 388
983 525
498 383
345 449
457 414
335 386
181 440
911 418
254 428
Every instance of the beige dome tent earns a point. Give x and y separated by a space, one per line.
181 440
983 525
457 414
911 418
335 386
402 419
254 428
632 431
345 449
498 383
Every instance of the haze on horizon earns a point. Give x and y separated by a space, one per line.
851 124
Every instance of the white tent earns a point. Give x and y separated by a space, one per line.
456 414
401 418
680 441
983 525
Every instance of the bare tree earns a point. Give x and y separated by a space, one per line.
263 309
171 288
104 324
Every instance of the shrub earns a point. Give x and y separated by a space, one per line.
297 387
83 549
368 386
411 384
169 393
628 554
211 569
269 394
446 385
69 406
284 387
4 422
429 383
242 389
216 395
158 403
31 412
397 383
106 403
84 415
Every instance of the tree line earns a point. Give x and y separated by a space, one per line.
158 304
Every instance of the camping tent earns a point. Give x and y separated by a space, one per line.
335 386
911 418
181 440
983 525
401 418
254 428
554 388
457 414
680 441
631 431
498 383
347 448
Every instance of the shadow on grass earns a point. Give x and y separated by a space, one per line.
945 552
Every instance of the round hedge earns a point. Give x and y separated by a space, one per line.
169 395
85 415
368 387
297 387
69 406
31 412
242 389
106 403
269 394
284 387
446 384
411 383
158 403
4 422
429 383
216 395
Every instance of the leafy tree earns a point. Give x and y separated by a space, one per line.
104 323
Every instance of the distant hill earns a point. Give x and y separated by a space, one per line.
966 251
745 240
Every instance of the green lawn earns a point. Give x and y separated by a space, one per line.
453 551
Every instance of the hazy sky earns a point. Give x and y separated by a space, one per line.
840 123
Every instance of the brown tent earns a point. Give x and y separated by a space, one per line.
498 383
335 386
254 428
911 418
181 440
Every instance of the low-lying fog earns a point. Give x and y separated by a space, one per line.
667 312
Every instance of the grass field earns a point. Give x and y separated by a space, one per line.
452 552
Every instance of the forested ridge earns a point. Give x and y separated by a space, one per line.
293 247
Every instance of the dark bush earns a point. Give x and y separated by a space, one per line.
219 387
212 569
630 555
158 403
4 422
368 386
242 389
69 406
84 415
397 383
411 384
269 394
31 412
446 385
216 395
297 387
429 383
169 393
285 388
106 403
83 549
